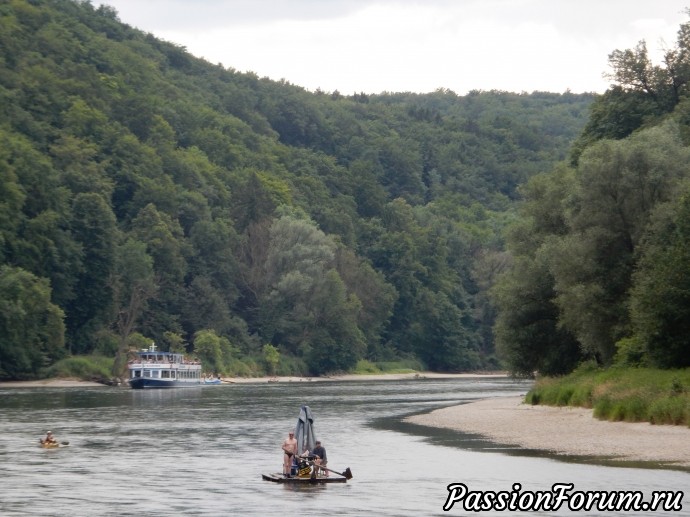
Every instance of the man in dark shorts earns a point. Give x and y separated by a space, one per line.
321 458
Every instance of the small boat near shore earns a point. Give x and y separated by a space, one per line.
153 369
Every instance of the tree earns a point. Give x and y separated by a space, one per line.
660 300
299 255
208 346
94 227
529 337
31 327
618 185
133 285
334 343
271 356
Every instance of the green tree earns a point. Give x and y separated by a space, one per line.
528 333
333 342
31 327
660 300
94 227
208 346
271 356
618 185
133 286
298 257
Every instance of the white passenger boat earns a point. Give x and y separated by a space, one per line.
154 369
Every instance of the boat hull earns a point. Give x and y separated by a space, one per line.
277 477
140 383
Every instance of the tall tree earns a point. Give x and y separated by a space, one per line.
660 300
133 285
618 184
95 228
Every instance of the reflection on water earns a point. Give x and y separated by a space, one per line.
201 451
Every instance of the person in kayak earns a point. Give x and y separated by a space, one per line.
49 439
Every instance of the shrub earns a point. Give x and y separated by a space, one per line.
87 368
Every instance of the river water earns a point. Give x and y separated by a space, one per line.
201 451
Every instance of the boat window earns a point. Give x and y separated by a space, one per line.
147 373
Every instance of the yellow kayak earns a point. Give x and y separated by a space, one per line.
53 445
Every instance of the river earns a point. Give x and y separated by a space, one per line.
201 452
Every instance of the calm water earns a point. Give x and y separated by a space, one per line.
201 451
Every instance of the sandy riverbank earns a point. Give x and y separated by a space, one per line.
564 431
68 383
366 377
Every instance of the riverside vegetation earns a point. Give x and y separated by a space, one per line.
620 394
148 195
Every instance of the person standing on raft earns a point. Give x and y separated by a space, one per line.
289 449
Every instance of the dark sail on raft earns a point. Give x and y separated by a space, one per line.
304 431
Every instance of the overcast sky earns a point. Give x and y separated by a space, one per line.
374 46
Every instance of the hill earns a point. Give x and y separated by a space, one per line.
150 195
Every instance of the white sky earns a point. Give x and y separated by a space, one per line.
374 46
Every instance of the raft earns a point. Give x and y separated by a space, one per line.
277 477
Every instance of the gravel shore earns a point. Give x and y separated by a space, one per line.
565 431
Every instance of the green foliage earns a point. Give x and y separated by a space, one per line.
271 356
154 192
92 368
408 365
366 367
660 301
625 394
31 327
215 352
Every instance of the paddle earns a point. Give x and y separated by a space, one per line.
347 474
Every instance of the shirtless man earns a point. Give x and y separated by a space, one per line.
290 449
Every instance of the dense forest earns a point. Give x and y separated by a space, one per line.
147 196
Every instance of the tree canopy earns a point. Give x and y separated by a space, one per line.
147 192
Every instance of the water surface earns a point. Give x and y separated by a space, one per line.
201 451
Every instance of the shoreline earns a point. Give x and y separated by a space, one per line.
564 431
74 383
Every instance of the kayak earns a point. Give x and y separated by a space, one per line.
53 445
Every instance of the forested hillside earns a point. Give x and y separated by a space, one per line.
601 249
148 195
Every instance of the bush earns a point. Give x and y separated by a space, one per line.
92 368
408 365
620 393
673 410
366 367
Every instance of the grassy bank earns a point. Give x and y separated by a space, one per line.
628 394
